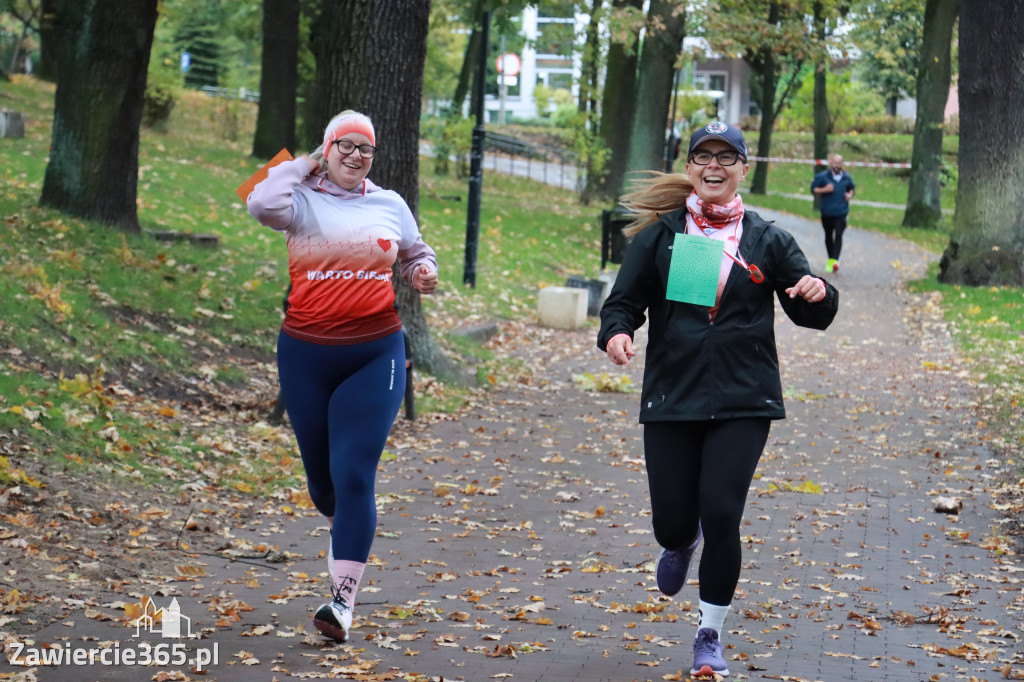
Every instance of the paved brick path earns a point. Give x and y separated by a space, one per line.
514 542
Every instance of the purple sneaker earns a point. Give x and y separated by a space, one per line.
707 655
673 565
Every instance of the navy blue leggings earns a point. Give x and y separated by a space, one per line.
342 402
700 472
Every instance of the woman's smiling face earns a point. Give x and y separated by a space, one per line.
348 170
715 183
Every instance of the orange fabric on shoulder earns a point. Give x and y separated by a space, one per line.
259 176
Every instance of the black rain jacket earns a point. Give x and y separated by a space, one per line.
698 369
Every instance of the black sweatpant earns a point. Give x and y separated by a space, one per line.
834 226
701 472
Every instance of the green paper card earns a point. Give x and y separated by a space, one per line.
693 271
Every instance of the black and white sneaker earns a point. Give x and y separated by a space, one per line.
334 618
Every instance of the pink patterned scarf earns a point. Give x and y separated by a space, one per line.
712 216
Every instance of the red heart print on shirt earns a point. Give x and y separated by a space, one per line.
384 244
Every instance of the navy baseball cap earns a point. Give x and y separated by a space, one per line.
716 130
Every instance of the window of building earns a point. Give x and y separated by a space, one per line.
555 38
560 81
552 9
716 81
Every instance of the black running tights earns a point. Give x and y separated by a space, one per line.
701 471
834 226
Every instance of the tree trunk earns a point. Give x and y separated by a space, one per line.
16 54
821 121
469 62
46 69
617 105
890 105
924 205
591 54
384 80
102 60
275 121
986 246
765 67
666 27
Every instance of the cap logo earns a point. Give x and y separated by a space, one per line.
716 128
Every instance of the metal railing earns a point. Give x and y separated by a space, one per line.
231 93
539 162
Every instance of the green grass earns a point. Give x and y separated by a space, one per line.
113 314
117 314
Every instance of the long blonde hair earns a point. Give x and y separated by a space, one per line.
653 196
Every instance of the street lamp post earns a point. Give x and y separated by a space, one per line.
476 165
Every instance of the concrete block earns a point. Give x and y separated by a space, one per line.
607 279
562 307
11 124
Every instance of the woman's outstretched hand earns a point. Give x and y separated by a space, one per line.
620 349
811 289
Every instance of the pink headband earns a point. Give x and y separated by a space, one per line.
343 125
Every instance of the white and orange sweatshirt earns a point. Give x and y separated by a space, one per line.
341 247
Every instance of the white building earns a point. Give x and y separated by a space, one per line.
543 61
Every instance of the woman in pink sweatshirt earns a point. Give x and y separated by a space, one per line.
341 352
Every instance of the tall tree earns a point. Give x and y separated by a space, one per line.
888 34
102 59
384 80
986 246
591 58
275 121
469 60
27 13
619 98
46 69
924 206
446 41
773 39
662 43
821 128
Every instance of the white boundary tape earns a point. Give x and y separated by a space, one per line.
824 162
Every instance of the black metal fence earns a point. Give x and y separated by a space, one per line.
550 165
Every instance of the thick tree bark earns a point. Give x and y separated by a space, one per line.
617 105
821 127
986 246
384 80
666 27
101 79
924 206
275 122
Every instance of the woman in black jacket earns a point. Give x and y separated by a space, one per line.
706 272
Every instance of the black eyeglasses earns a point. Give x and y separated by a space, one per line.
366 151
703 158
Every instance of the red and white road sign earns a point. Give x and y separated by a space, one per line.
508 64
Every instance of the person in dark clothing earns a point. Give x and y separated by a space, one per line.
834 187
705 272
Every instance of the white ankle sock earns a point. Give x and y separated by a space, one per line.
347 575
712 616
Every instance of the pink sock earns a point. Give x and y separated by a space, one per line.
347 575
